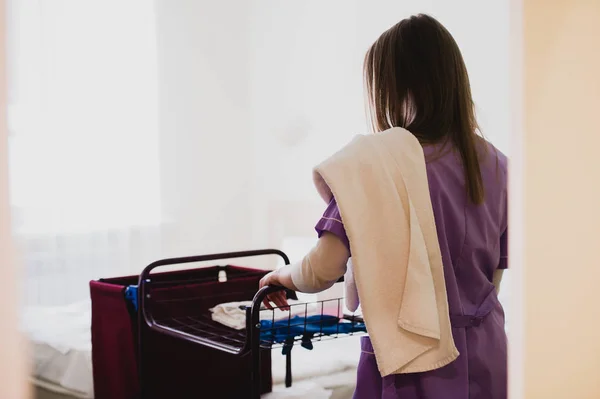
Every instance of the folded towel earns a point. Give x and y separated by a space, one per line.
380 185
233 314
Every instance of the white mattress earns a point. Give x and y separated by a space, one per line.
61 345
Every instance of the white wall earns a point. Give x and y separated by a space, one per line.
207 167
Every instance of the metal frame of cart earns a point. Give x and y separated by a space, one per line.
201 331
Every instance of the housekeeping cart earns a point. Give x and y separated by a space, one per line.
153 337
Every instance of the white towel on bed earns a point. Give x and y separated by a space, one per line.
233 314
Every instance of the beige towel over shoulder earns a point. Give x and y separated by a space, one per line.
380 185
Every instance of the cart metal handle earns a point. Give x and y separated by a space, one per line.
205 258
145 279
259 297
253 331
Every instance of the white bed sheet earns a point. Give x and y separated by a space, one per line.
60 339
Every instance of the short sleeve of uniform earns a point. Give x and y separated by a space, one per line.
503 250
331 221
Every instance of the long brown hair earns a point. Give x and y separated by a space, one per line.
416 78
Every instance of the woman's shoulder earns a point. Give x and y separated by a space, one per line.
493 157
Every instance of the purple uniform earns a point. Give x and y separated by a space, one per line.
473 242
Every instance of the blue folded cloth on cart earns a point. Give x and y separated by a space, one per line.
286 331
131 295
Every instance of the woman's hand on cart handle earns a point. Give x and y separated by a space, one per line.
279 278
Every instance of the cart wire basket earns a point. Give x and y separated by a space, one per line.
188 317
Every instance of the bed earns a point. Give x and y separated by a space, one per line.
60 344
60 350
